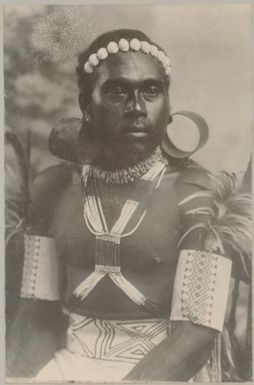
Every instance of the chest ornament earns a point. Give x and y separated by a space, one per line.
107 242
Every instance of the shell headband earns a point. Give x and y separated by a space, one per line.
124 46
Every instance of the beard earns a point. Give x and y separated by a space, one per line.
125 151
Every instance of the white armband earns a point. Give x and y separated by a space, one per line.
201 288
43 272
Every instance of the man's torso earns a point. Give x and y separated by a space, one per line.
148 257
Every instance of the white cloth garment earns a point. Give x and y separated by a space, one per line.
103 350
67 366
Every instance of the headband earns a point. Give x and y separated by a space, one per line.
124 46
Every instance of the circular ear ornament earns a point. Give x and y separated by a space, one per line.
72 140
183 138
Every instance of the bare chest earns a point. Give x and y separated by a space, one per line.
151 248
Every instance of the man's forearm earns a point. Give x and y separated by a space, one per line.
177 358
32 338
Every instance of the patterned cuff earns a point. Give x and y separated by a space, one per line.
201 288
43 272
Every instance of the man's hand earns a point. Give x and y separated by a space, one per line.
178 357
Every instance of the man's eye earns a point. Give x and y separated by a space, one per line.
151 91
117 91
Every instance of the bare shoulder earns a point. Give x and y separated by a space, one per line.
192 177
46 190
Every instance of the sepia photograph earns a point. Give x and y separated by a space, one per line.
128 209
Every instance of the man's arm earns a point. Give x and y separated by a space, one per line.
33 337
198 310
178 357
199 298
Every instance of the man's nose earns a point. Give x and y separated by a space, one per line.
136 104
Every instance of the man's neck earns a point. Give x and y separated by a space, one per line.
116 159
126 174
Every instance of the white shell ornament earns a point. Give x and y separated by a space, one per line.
88 68
161 57
93 60
135 44
124 45
112 47
154 50
145 47
168 70
167 60
102 53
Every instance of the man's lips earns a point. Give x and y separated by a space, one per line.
137 128
137 134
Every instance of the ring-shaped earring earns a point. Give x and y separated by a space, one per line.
171 149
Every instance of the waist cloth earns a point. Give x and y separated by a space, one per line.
103 350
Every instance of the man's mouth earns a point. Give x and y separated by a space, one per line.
137 134
137 129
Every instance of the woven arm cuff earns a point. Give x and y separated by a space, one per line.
201 288
43 271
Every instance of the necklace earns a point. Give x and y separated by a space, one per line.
129 174
107 241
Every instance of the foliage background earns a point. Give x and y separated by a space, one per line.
209 46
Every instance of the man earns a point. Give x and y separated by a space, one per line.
108 253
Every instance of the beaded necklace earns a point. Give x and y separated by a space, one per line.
107 244
128 174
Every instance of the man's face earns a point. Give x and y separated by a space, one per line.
129 104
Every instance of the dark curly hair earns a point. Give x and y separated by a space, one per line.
85 80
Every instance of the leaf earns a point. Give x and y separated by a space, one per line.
15 186
192 228
240 240
219 241
236 221
223 184
241 204
202 210
229 217
198 194
236 232
14 231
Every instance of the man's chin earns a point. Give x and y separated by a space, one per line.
136 150
129 151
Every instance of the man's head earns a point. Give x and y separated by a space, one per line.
125 98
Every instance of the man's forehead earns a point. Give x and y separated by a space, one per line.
133 66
